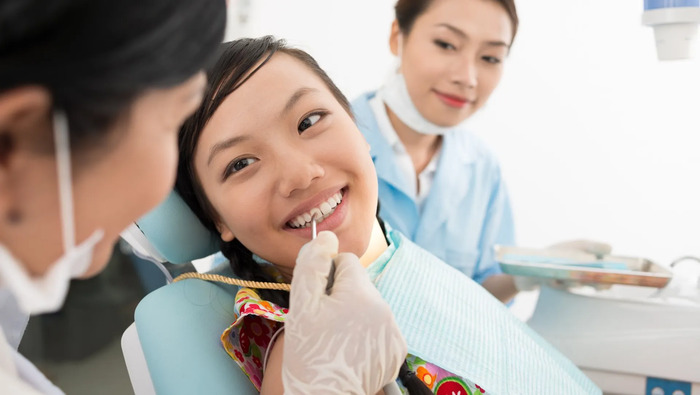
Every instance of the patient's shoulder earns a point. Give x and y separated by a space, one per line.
253 335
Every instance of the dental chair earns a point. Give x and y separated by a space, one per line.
174 345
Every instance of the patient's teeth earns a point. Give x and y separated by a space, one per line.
325 208
321 212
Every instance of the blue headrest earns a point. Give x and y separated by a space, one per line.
176 233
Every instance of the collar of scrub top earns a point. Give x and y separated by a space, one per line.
381 148
171 232
462 148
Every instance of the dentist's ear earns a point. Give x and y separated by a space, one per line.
25 128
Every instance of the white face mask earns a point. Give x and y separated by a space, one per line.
394 94
45 294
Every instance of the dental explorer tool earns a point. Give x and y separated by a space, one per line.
331 274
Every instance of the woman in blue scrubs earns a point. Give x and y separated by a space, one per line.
438 183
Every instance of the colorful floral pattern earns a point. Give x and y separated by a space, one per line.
439 380
249 337
257 320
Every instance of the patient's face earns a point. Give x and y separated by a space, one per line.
278 150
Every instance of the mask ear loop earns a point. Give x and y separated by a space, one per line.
65 184
399 54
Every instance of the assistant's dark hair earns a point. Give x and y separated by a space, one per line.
408 10
236 63
96 56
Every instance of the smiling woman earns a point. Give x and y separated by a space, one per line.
251 158
274 145
438 183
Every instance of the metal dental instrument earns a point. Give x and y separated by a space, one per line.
331 273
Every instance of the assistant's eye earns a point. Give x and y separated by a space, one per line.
491 59
444 45
309 121
237 165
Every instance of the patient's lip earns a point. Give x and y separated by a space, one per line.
310 203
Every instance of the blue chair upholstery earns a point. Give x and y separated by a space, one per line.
180 325
176 233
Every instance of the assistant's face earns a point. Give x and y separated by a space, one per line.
452 58
278 150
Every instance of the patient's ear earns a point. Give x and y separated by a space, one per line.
224 232
24 126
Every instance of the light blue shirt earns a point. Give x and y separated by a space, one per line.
467 210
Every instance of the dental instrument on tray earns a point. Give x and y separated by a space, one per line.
331 274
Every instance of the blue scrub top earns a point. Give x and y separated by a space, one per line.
467 210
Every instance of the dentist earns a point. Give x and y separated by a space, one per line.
92 94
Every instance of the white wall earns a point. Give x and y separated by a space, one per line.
596 137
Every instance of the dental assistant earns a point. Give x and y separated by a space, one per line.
92 95
438 183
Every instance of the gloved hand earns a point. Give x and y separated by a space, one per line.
581 245
343 343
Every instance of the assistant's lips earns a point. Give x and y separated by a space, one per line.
452 100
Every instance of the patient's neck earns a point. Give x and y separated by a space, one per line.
377 245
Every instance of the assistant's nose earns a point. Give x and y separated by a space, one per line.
465 72
298 171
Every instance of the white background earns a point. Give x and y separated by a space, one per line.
597 138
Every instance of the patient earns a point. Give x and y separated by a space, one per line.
273 145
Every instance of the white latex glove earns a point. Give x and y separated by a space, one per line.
343 343
581 245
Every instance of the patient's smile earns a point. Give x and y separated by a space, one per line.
323 210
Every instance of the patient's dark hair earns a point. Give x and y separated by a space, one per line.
235 65
96 56
232 69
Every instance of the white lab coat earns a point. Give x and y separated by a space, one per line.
18 376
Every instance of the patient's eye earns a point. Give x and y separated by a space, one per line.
310 121
237 165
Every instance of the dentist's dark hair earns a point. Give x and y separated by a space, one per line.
236 64
407 11
95 57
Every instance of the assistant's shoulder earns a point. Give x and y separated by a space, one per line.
362 110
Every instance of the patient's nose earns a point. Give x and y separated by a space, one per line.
297 173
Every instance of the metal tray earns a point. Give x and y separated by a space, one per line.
581 267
